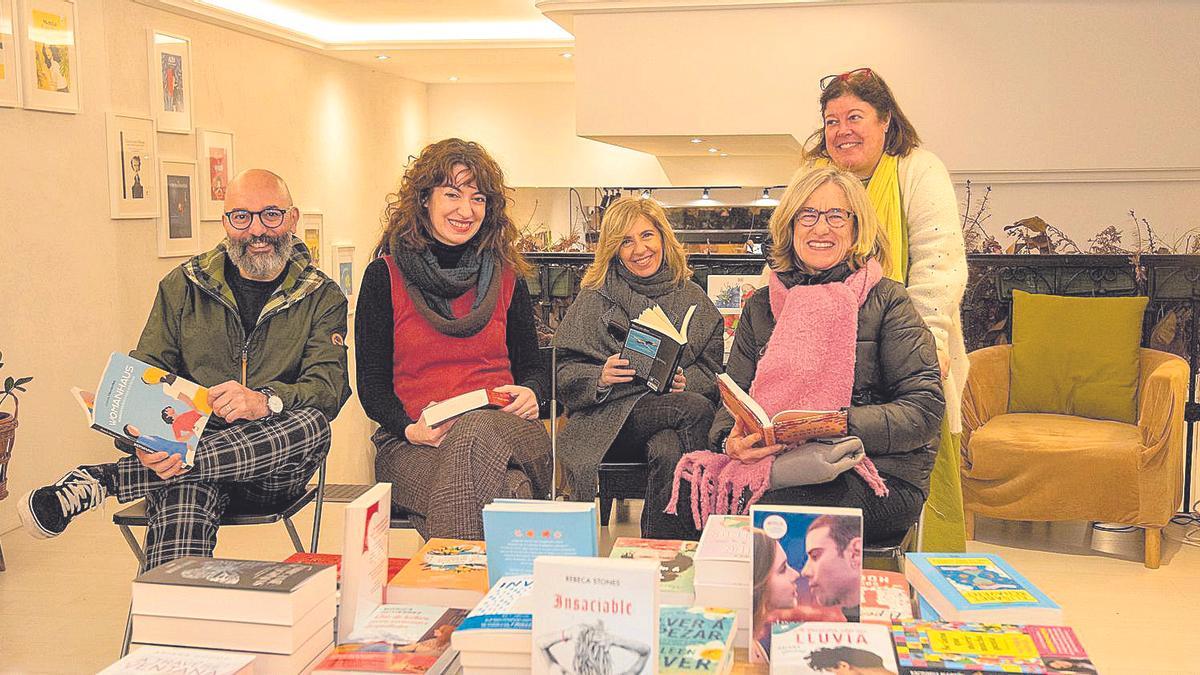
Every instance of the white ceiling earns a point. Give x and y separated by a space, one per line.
429 41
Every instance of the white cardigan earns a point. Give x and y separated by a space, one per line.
937 264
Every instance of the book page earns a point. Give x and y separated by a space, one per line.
753 417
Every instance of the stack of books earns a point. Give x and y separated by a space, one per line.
445 573
722 577
979 587
676 565
496 635
282 613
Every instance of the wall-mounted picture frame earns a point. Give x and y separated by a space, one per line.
10 66
342 260
214 157
170 81
312 233
49 58
132 158
179 221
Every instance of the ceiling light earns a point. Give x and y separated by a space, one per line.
766 193
646 193
382 57
697 140
724 154
712 150
567 55
454 78
704 195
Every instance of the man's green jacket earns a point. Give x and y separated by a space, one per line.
298 346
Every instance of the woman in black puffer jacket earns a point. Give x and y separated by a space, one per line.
831 332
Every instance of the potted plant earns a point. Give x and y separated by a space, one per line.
8 423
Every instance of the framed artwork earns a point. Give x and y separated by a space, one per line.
179 222
132 156
342 259
214 153
10 69
49 56
312 232
171 82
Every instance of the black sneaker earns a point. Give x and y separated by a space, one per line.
46 511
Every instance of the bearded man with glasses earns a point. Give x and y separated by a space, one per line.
259 325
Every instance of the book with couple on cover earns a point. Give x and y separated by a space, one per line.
145 405
789 427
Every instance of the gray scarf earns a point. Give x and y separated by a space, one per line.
436 287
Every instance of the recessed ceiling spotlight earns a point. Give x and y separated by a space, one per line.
454 78
697 140
766 193
567 55
646 193
712 150
704 195
382 57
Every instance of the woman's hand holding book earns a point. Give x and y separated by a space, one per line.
524 404
747 448
615 371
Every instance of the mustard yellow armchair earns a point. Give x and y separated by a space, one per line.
1034 466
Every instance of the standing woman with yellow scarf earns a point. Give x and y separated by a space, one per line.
865 132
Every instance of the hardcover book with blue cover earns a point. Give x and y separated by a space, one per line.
149 407
978 587
517 531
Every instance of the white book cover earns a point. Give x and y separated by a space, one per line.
364 557
723 556
156 659
818 647
594 615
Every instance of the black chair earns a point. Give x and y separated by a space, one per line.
619 481
237 514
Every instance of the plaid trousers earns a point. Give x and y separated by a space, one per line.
486 454
264 462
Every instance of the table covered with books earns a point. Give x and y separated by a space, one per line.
536 596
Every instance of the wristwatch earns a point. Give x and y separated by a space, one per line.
274 403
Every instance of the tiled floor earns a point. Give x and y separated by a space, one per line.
63 601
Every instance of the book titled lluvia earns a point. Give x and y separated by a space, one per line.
595 615
518 530
147 406
654 347
978 587
818 647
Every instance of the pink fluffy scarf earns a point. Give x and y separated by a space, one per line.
808 365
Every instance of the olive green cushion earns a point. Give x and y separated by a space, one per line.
1076 356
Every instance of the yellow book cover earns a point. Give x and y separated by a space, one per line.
448 564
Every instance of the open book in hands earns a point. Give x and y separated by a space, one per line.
440 412
788 427
654 347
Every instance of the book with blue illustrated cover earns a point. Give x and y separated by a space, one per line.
518 530
502 620
695 640
149 407
978 587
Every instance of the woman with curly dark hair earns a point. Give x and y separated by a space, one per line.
444 310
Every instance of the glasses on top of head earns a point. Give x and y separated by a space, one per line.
848 75
835 218
270 217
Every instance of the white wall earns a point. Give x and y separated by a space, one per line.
75 285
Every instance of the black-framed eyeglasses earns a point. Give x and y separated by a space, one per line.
270 217
848 75
835 218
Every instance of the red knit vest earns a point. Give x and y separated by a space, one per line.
429 366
